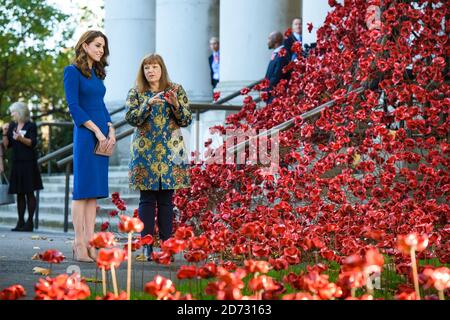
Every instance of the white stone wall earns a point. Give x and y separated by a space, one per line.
183 29
315 12
130 28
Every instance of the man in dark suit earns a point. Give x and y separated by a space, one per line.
278 60
296 36
214 61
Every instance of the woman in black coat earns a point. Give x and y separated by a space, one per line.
21 136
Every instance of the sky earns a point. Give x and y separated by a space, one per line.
72 7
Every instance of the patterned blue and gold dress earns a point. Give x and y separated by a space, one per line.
158 152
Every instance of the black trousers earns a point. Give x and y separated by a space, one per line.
149 201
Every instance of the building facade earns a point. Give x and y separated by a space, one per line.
180 30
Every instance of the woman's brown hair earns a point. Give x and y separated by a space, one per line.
142 83
81 57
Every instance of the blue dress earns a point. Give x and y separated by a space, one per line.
85 99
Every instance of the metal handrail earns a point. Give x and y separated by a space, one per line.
69 159
67 149
236 93
54 124
194 107
290 123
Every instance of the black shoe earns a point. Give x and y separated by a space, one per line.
148 250
28 227
19 226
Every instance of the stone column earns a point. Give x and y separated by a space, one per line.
314 12
183 30
244 29
130 28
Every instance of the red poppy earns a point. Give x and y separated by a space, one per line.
412 241
252 266
264 96
103 240
184 233
160 287
146 240
135 245
187 272
279 264
104 226
374 261
52 256
115 196
111 296
173 246
310 27
438 278
292 255
288 32
245 91
113 213
299 296
63 287
262 282
108 257
200 242
406 296
216 96
282 52
260 250
196 256
12 293
162 257
209 270
128 224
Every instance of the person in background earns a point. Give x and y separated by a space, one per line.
158 166
214 61
296 36
21 136
278 60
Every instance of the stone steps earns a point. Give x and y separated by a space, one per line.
51 199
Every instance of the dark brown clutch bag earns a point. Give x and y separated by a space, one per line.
103 151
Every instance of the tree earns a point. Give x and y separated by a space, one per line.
32 41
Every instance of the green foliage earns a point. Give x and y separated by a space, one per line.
32 40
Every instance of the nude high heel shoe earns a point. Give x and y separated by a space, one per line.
78 256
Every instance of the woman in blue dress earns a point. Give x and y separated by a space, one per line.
83 84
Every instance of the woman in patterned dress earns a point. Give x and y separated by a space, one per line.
158 165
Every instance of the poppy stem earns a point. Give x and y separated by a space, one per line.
353 291
415 274
114 279
441 295
142 275
130 234
96 279
369 284
104 280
